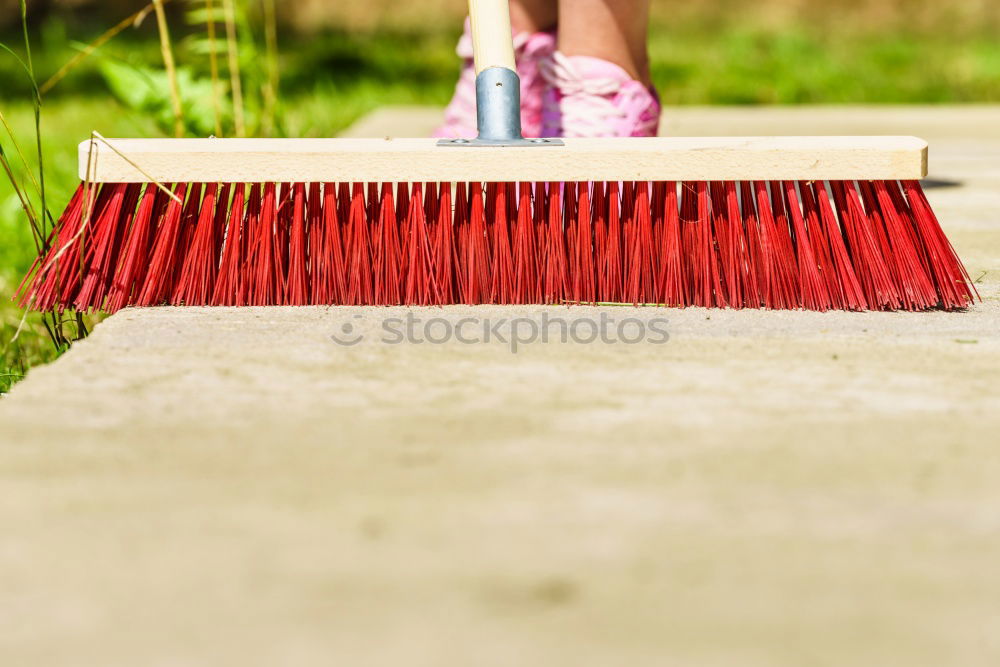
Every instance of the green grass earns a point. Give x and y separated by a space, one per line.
331 79
803 64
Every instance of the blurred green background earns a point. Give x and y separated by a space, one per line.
326 63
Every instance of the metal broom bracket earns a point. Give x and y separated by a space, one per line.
498 87
498 113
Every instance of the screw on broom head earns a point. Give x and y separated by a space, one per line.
817 224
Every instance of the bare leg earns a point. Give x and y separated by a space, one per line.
533 15
614 30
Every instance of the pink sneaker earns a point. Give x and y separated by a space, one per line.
590 97
530 50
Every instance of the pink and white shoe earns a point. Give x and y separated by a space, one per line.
591 97
530 51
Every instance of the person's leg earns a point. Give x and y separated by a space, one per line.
533 15
613 30
600 85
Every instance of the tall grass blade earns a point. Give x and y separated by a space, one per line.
232 44
271 58
20 154
166 49
133 20
213 63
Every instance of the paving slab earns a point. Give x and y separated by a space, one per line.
260 486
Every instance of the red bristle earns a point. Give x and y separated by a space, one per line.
704 271
846 279
600 231
689 226
443 238
569 231
41 287
555 268
162 260
441 281
360 281
372 206
135 254
813 288
512 200
583 280
297 292
540 215
671 290
758 253
343 202
461 232
725 241
431 198
954 286
780 289
727 231
199 266
475 260
266 285
640 271
62 271
490 207
421 285
403 203
611 273
71 265
95 238
711 254
317 262
105 245
480 263
402 214
502 283
820 246
877 225
188 225
228 280
749 288
916 284
284 216
785 245
327 259
627 208
222 207
526 283
627 221
222 219
335 242
77 260
657 200
905 212
251 232
386 252
873 275
437 203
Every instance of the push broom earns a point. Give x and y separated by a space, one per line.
811 223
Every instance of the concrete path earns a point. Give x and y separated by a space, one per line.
291 486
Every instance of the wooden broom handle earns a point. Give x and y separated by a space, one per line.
491 34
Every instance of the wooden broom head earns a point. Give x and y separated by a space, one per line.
579 160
